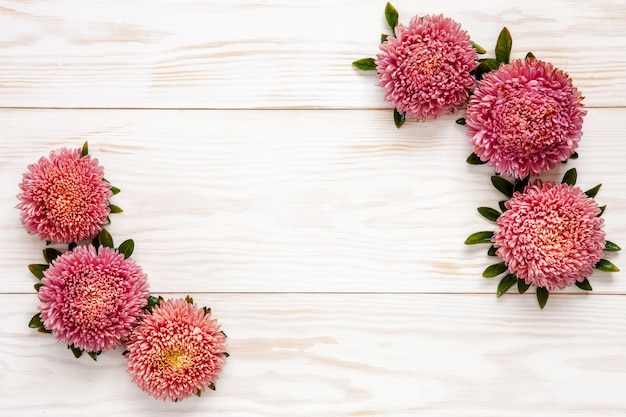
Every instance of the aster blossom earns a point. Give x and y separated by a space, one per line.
549 235
426 68
177 350
525 117
91 298
64 197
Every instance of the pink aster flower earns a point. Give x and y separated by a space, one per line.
64 198
176 351
426 68
92 299
550 235
525 118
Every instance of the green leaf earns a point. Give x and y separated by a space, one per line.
106 239
94 355
153 301
520 185
76 351
494 270
574 155
611 247
542 296
502 206
489 213
502 185
479 49
602 208
35 322
50 254
492 251
460 121
606 266
570 177
85 150
115 190
593 191
365 64
485 66
398 119
188 299
126 248
115 209
530 55
479 237
37 286
383 37
503 46
585 285
522 287
71 246
37 270
391 14
474 159
506 284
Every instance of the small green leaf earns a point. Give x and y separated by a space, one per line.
398 119
585 285
474 159
485 66
574 155
570 177
126 248
153 301
479 49
494 270
365 64
502 185
460 121
115 209
530 56
479 237
35 322
50 254
383 37
71 246
94 355
522 287
76 351
188 299
391 14
37 286
606 266
37 270
115 190
489 213
226 354
85 150
611 247
492 251
503 46
594 191
602 208
542 296
502 206
211 386
520 185
506 284
105 238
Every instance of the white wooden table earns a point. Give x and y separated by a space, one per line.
262 174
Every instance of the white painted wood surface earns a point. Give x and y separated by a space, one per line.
263 175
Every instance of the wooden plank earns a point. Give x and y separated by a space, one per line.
279 54
297 201
348 355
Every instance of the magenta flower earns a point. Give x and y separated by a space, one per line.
525 118
550 235
92 299
426 68
64 198
176 351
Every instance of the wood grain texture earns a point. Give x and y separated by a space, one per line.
351 355
307 201
271 54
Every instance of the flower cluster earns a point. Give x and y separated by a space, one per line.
523 117
94 298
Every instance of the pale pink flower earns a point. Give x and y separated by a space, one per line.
176 351
525 118
550 235
92 299
64 198
426 68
